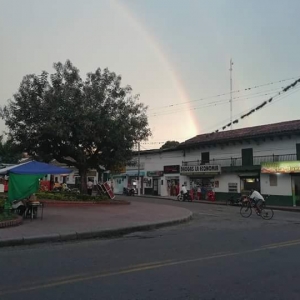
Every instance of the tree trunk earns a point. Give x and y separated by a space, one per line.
83 177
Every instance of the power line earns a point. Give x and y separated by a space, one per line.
279 96
210 104
223 94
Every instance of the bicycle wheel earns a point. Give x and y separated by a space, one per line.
267 213
246 211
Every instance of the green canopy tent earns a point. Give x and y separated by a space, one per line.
24 178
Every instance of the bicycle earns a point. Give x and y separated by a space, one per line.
263 211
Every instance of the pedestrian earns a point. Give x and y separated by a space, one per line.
198 193
90 185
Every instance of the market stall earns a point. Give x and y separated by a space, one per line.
24 179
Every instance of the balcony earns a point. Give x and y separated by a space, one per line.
237 161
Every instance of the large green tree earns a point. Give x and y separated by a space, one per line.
83 123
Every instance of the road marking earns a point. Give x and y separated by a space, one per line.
138 268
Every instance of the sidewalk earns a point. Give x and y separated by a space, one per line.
174 198
62 223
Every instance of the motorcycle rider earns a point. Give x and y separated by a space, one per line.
184 192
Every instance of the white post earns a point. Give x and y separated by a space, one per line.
231 63
138 183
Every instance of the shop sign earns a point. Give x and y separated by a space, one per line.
174 169
155 173
204 169
283 167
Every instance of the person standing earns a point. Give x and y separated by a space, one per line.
90 186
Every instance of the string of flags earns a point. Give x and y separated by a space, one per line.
285 89
219 95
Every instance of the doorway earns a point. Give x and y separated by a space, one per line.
296 188
155 186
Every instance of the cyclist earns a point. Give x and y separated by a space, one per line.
258 199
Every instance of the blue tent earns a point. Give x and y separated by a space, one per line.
33 168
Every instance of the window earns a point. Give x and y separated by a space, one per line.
247 157
232 187
205 157
273 180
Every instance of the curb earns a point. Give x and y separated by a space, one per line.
9 223
283 208
58 203
84 235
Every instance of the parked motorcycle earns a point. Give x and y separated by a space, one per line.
129 191
235 201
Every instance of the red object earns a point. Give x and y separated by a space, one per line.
199 195
177 189
45 185
5 186
192 194
211 196
108 190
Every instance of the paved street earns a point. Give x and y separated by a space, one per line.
218 255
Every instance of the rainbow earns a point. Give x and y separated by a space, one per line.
191 123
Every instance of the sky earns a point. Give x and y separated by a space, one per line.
174 53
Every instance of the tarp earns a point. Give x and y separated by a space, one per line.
34 168
22 186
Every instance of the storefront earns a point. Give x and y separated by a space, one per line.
153 182
250 181
282 182
200 179
132 179
172 180
127 179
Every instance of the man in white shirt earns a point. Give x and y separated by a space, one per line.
183 189
257 198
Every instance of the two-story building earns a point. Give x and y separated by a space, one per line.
266 158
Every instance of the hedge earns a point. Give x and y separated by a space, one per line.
70 197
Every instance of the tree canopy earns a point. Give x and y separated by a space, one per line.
9 152
169 144
83 123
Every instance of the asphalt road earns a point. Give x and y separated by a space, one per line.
218 255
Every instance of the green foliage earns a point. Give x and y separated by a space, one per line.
169 144
2 202
10 153
83 123
70 197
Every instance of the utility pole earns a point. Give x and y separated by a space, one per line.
231 63
138 183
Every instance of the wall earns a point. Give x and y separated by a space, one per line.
261 148
224 179
283 188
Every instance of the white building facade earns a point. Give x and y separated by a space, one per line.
265 158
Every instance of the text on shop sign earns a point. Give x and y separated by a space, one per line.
200 169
